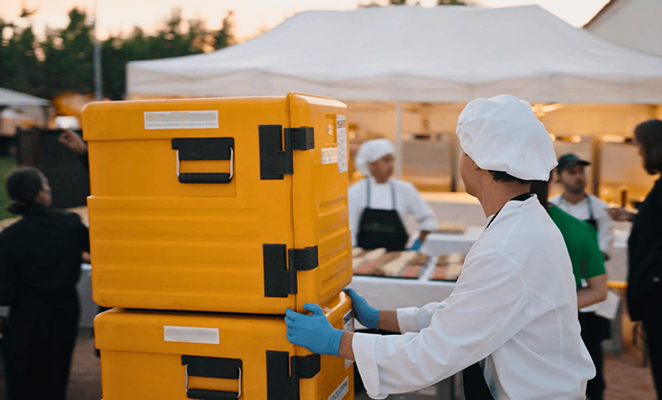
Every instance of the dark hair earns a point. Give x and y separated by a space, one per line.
649 137
501 176
541 189
23 185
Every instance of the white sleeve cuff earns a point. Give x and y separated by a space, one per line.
429 225
407 319
363 345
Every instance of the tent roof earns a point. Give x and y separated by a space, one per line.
13 98
413 53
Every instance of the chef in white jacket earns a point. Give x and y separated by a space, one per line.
511 321
379 204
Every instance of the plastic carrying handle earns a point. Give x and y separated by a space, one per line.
189 149
211 394
209 367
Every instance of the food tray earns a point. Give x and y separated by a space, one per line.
396 264
448 267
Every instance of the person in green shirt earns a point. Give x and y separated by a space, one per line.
588 267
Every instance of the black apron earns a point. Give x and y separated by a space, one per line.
473 380
591 218
381 228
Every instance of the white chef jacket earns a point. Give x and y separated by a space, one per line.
514 306
407 201
581 211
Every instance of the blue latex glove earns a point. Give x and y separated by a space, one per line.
313 332
417 245
366 315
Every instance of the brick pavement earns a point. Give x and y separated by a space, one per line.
626 378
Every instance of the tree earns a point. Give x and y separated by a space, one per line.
225 36
63 61
69 60
19 62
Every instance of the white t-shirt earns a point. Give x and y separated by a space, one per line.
407 201
514 307
582 211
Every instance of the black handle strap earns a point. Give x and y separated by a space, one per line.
204 178
195 149
210 367
211 394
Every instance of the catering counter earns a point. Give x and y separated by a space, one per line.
393 293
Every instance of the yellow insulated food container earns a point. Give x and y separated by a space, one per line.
223 205
172 355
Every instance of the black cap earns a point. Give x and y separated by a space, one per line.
568 160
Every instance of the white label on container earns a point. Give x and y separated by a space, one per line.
181 119
342 390
187 334
341 135
348 324
330 156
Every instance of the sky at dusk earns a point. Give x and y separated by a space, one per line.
250 16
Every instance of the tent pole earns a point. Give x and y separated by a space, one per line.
398 140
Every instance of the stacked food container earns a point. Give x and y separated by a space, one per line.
208 219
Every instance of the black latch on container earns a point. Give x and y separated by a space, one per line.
299 138
276 152
274 162
305 367
303 259
279 280
280 386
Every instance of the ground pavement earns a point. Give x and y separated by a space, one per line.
626 378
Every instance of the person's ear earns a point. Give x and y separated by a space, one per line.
41 197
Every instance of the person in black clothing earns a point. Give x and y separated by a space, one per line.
644 293
76 144
40 257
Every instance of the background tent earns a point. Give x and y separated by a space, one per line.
412 53
13 98
405 73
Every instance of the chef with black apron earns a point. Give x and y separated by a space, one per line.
379 204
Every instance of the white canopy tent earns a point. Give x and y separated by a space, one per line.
426 62
414 54
13 98
30 108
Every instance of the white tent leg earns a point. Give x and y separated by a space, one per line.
398 140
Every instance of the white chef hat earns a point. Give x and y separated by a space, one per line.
503 134
371 151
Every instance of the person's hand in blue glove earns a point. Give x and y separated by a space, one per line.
417 245
314 331
366 315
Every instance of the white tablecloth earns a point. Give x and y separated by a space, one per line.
394 293
437 244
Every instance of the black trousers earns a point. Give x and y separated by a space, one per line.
594 330
652 323
475 386
39 342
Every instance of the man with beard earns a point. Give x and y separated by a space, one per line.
574 200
